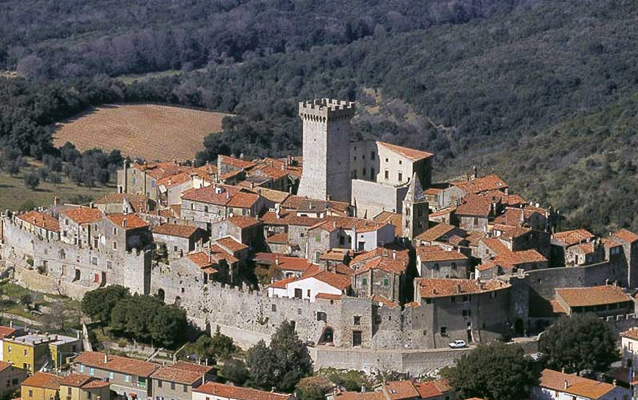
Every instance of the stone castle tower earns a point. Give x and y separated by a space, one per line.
326 149
415 210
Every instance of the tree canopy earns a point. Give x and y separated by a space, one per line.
99 303
494 371
579 343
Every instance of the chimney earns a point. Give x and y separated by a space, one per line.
614 382
272 389
458 288
56 201
106 358
124 222
566 384
276 260
394 254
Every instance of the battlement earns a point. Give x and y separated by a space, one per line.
326 109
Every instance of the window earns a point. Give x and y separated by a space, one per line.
91 371
453 299
436 266
386 282
185 389
30 393
68 391
308 293
400 176
273 307
81 366
26 352
443 331
372 155
14 382
428 301
298 294
453 265
111 376
172 385
372 172
467 313
357 320
363 172
318 238
387 175
88 395
205 208
364 281
109 265
476 221
94 260
356 338
114 245
322 316
127 378
159 384
115 231
400 162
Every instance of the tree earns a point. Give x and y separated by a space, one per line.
495 371
99 303
578 343
292 357
31 180
313 388
262 365
218 346
26 300
235 371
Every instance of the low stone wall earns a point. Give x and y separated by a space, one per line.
41 283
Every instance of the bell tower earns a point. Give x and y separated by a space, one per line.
415 210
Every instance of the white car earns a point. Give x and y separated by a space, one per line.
457 344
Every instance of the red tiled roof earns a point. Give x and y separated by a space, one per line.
178 375
431 287
329 296
435 232
83 215
235 162
43 380
132 221
384 301
185 231
388 251
278 238
231 244
360 396
386 264
626 235
243 200
479 206
213 194
576 385
161 170
436 253
443 211
432 389
288 218
243 222
41 220
238 393
117 363
592 296
631 333
412 154
482 184
399 390
574 236
6 331
174 180
337 281
83 381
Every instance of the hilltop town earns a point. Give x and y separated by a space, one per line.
375 265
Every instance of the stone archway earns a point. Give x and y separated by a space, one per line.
161 294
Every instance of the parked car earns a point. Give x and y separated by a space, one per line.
458 344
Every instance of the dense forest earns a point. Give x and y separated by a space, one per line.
540 92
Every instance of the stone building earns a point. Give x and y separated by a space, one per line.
177 381
143 178
604 301
435 262
176 240
381 276
326 149
464 309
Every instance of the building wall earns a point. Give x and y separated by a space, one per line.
121 383
377 282
473 224
36 393
11 378
172 390
371 197
443 269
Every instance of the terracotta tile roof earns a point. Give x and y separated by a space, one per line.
510 231
177 375
6 331
592 296
436 253
292 263
443 211
412 154
235 162
391 218
329 296
243 200
432 389
432 287
337 281
435 232
230 175
475 237
83 381
276 196
174 180
187 366
231 244
386 264
576 385
269 171
626 235
343 270
132 221
334 255
360 396
610 242
398 390
572 237
138 202
281 284
83 215
478 206
43 380
211 257
587 248
125 365
482 184
242 222
288 218
509 259
185 231
278 238
41 220
161 170
213 194
351 223
387 251
238 393
631 333
384 301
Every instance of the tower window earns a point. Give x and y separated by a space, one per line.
372 155
363 172
387 175
400 176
